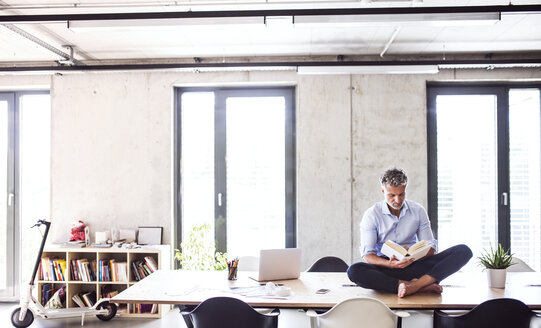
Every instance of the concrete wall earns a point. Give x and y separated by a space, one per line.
389 129
112 146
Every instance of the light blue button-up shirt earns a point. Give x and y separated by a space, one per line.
379 225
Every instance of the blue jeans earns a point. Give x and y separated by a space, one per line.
439 266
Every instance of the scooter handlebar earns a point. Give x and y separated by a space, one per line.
40 222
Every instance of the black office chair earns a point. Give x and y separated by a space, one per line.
496 313
228 312
329 264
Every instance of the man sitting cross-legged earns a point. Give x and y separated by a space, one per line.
404 222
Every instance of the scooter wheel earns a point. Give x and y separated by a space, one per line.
111 307
27 321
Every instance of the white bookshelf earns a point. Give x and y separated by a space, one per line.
161 255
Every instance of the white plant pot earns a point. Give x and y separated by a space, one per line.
496 278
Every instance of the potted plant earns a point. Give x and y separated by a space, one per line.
496 261
198 252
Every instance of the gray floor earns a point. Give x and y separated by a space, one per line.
288 319
171 319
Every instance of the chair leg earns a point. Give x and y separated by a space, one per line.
186 317
399 322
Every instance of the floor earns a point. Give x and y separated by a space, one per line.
288 319
171 319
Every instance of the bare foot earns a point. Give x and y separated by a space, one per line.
406 288
402 289
432 288
413 286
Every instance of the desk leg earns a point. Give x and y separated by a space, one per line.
184 312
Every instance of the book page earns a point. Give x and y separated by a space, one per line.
420 251
417 246
396 247
391 249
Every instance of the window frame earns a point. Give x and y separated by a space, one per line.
501 91
14 241
221 93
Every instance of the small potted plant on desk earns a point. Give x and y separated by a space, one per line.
496 263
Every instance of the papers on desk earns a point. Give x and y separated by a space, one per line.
252 291
255 291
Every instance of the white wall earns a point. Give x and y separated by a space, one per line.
112 145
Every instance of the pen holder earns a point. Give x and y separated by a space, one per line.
232 273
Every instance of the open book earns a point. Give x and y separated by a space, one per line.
416 251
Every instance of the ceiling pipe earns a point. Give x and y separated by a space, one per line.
202 4
43 44
522 9
182 3
395 33
200 66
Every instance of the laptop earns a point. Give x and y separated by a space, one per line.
279 264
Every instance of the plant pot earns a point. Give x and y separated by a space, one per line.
496 278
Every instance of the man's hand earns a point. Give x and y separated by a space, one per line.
394 263
384 262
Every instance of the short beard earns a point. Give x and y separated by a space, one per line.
394 208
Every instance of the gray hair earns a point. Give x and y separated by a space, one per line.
394 177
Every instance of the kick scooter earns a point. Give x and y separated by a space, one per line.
23 316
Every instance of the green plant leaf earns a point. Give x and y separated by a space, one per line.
496 258
198 252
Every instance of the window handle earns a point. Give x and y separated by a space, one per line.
11 196
504 198
220 199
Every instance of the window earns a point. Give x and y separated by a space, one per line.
25 180
236 168
484 147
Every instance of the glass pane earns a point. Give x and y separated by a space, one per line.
197 163
467 178
3 192
35 178
524 173
255 174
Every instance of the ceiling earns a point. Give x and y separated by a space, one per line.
267 35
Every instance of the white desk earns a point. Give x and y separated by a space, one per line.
460 291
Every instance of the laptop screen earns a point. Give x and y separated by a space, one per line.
279 264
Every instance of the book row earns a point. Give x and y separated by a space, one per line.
143 308
85 299
83 270
52 269
143 268
88 299
47 291
106 270
110 270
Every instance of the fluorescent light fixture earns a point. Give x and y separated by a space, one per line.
436 19
376 69
279 21
158 23
236 69
489 66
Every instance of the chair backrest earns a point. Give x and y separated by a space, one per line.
229 312
519 266
248 263
496 313
329 264
356 313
